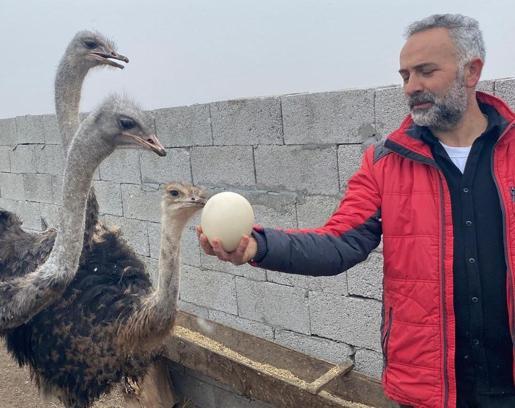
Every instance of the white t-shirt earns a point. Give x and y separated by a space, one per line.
458 155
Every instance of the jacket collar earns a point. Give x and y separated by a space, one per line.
407 139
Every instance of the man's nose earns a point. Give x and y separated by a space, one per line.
412 85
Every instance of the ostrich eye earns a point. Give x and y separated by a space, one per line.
174 193
90 44
127 124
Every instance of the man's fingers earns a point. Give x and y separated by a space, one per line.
219 250
204 242
236 257
244 242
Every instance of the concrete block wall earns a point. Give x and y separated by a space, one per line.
291 156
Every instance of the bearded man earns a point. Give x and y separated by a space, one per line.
440 190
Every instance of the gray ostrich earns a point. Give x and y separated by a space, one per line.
110 323
85 51
22 296
22 252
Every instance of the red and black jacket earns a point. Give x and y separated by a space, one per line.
399 193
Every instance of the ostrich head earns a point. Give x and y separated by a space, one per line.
181 200
118 123
90 49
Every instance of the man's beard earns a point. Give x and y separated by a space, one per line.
445 111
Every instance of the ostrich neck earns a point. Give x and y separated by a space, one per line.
68 85
81 164
169 261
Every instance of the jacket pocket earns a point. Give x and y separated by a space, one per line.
387 323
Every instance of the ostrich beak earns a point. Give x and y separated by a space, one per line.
106 58
150 142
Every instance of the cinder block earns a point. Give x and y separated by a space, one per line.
369 362
210 289
49 159
154 238
11 186
329 118
23 159
247 122
57 188
391 108
247 271
29 129
30 214
50 214
141 202
8 204
350 320
486 86
123 166
273 209
174 167
134 231
8 132
349 161
248 326
190 248
223 165
38 187
312 169
5 160
203 392
331 284
314 210
109 197
201 312
184 126
366 278
50 129
323 349
505 89
272 304
152 269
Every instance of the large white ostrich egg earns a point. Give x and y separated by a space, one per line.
227 216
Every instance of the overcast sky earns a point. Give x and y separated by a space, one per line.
196 51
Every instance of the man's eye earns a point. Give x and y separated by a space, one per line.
428 73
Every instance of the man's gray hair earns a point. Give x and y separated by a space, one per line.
463 30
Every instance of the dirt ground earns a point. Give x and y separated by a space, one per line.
17 391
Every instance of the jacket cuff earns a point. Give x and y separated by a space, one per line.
262 248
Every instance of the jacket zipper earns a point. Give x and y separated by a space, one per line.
509 272
442 293
442 268
386 338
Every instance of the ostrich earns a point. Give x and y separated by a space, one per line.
85 51
118 123
110 323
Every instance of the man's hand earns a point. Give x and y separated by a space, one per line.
244 253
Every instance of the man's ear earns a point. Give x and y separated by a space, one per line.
473 72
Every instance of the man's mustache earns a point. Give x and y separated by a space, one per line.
420 98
